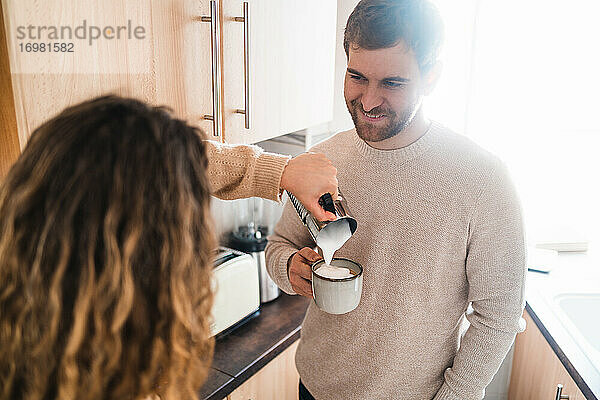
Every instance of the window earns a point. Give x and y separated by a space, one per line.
522 78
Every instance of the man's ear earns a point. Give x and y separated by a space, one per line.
431 77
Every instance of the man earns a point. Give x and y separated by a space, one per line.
439 228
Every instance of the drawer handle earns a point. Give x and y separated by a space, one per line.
246 20
215 40
559 394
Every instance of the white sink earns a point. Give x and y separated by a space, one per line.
584 312
571 292
581 317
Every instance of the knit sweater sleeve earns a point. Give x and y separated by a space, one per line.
289 236
496 270
239 171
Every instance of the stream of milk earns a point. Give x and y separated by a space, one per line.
330 239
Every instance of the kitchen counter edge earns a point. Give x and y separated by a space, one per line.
243 352
569 363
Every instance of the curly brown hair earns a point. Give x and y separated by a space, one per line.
105 257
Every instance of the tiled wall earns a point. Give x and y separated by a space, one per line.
224 211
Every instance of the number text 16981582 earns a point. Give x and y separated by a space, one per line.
49 47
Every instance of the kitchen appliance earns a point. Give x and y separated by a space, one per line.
254 244
338 207
237 293
253 226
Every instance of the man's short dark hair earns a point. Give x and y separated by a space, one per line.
378 24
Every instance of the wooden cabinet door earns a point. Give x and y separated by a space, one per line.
9 139
169 64
292 59
182 59
536 369
278 380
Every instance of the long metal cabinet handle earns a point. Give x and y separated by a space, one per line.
215 40
246 20
559 394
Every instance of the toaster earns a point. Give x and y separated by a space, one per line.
236 288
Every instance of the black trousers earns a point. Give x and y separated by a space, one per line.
303 393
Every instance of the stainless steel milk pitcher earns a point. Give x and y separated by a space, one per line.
338 207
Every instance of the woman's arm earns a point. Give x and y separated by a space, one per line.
240 171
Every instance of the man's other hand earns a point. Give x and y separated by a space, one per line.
299 270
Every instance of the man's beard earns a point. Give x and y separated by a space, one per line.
373 133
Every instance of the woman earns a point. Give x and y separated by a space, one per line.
105 257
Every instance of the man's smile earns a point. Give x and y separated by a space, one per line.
373 117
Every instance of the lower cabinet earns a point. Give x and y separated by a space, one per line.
536 369
278 380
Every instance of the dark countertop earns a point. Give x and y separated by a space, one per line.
572 274
241 353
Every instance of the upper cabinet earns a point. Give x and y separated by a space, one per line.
241 71
280 63
157 51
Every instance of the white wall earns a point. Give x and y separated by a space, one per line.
341 117
498 388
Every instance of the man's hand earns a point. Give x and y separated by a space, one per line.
308 177
299 270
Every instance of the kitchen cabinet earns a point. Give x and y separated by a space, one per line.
278 380
536 369
199 57
291 60
9 141
169 66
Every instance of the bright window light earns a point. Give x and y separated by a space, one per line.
522 79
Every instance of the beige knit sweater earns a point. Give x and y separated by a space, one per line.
238 171
439 227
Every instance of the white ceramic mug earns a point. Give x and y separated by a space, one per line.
337 296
